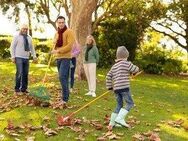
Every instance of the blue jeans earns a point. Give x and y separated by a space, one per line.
73 60
63 66
124 95
22 69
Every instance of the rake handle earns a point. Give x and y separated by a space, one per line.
49 62
88 104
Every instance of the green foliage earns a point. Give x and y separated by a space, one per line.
42 48
4 47
125 27
154 98
157 60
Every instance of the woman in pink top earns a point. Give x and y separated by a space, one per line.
75 53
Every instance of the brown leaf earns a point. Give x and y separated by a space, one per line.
10 125
120 134
113 137
62 122
80 137
75 129
109 133
49 132
185 127
46 118
147 134
154 137
101 139
30 138
157 129
77 121
106 119
139 137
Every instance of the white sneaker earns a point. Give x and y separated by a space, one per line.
89 93
93 94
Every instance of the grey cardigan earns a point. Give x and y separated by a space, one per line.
17 47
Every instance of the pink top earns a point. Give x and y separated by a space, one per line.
76 49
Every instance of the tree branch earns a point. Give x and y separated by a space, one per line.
172 37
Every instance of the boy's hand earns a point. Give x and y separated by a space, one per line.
136 74
110 89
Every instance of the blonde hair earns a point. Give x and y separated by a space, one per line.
24 25
92 38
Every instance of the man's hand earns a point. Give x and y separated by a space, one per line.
13 60
35 60
54 51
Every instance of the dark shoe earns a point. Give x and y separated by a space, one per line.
25 91
17 93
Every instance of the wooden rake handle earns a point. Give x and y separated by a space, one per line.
49 62
88 103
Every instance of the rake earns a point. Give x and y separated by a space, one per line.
66 120
41 92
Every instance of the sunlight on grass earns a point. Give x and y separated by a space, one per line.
174 131
180 116
101 75
36 117
9 115
184 81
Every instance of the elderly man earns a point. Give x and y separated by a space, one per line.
20 49
64 39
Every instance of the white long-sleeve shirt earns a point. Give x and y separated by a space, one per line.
118 76
17 47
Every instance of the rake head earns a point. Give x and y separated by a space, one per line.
64 120
40 93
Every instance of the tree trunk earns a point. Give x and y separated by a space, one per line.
81 23
29 19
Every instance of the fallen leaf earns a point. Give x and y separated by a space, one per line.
138 137
154 137
101 139
157 129
30 138
113 137
75 129
48 131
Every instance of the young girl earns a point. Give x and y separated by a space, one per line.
118 80
91 58
75 53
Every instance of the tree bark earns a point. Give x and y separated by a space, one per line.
81 23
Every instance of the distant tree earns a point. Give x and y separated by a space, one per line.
175 23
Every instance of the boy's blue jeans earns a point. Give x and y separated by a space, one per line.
63 66
126 96
22 69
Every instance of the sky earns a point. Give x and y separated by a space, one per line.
8 27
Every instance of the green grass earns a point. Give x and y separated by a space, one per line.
158 99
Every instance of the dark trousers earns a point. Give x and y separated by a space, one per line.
63 66
22 69
73 68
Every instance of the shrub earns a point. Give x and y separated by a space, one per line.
156 60
4 48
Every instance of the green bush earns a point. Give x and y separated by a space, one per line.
42 48
172 66
4 48
156 60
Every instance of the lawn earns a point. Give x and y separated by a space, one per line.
160 109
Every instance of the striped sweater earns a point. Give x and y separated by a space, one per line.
118 76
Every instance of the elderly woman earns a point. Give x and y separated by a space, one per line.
20 49
91 59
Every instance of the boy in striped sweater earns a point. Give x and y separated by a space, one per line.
117 80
